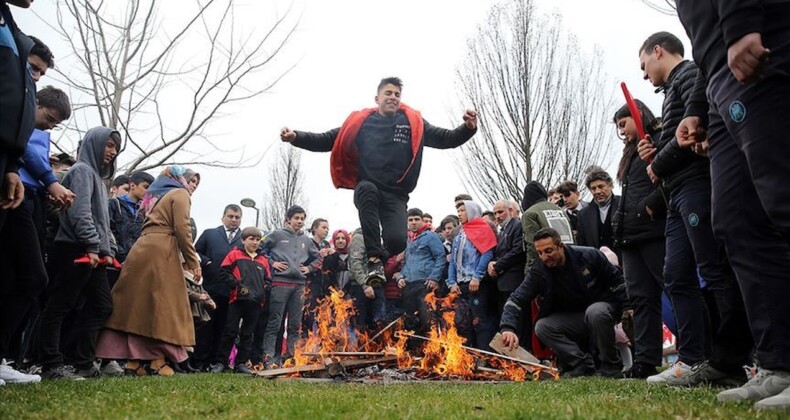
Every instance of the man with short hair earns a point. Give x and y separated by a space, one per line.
692 249
595 221
514 209
507 267
290 253
212 247
119 186
377 152
21 238
40 59
422 270
583 297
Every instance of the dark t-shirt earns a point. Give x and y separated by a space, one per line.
569 293
384 145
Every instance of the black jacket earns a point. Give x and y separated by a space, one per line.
631 224
714 25
213 246
248 278
675 165
17 94
590 233
594 276
510 256
379 162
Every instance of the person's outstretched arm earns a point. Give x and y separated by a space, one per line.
441 138
314 142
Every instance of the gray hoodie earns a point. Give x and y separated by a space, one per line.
283 245
86 222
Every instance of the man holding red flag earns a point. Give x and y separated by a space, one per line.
473 249
377 152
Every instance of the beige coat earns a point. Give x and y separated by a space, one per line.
150 298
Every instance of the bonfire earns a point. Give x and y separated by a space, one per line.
336 348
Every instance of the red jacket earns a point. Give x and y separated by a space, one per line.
344 160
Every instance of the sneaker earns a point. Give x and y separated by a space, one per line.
640 371
89 372
62 372
375 275
216 368
113 368
243 369
779 401
703 373
12 376
675 370
766 383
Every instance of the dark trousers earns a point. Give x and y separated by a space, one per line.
644 281
750 166
418 318
370 313
256 355
284 300
209 336
382 215
475 315
246 312
24 275
691 245
524 319
316 290
66 287
570 334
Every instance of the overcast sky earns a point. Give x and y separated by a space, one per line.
344 47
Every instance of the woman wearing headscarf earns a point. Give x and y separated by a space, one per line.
336 265
152 319
472 250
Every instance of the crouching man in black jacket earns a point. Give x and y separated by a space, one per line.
582 299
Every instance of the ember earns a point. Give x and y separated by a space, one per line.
335 348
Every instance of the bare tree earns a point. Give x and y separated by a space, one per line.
286 180
667 7
163 81
543 104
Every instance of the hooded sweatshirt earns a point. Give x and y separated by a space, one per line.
296 249
87 222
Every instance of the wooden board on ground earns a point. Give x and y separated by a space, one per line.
518 353
348 364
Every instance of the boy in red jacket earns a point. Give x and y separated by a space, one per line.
249 274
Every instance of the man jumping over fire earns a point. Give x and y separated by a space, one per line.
377 152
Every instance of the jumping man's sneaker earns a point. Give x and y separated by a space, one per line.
62 372
703 373
12 376
676 370
375 275
766 383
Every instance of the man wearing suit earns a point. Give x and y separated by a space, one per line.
212 246
507 267
595 220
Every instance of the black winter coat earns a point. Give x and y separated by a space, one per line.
631 223
675 165
594 276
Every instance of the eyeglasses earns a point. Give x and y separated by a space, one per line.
53 122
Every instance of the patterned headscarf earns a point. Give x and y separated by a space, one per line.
172 177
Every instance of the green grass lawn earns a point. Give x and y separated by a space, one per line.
227 395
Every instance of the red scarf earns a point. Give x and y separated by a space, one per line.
480 234
344 160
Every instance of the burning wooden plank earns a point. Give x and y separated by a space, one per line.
518 353
346 364
346 354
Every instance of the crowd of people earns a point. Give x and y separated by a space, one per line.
102 275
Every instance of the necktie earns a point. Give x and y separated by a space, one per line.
230 235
